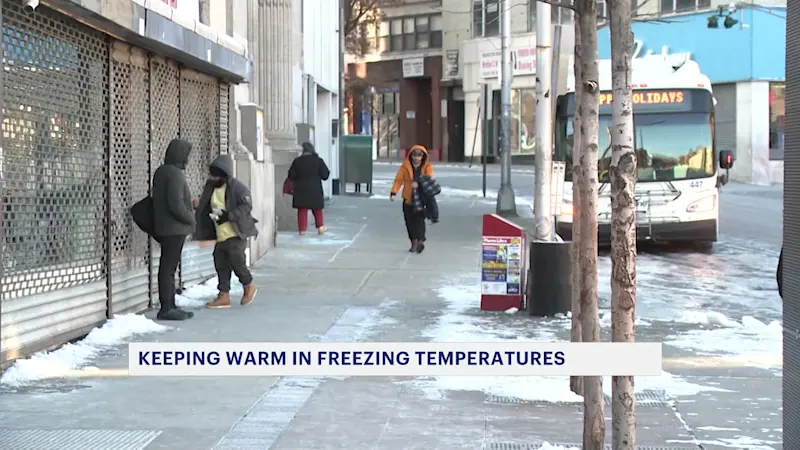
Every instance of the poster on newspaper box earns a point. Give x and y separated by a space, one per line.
501 265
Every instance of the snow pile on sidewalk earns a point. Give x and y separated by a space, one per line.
71 357
461 321
750 339
198 295
548 446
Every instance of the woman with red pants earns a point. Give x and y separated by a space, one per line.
307 172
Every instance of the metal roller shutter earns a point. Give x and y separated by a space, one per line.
54 172
129 162
791 235
164 127
200 125
725 117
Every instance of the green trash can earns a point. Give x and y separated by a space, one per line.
356 163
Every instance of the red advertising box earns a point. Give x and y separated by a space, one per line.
502 264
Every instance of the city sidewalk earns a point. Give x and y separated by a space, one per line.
356 283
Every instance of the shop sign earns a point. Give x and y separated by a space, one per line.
413 67
523 61
452 63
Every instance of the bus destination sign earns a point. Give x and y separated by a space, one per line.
659 97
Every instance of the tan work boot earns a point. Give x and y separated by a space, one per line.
322 230
249 294
223 300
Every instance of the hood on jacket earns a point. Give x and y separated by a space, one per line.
225 164
424 154
178 152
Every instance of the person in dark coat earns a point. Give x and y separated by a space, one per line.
779 274
224 214
173 221
308 171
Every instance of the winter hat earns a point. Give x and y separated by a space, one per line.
215 171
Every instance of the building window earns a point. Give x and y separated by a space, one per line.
388 103
485 18
676 6
601 10
777 119
410 33
558 15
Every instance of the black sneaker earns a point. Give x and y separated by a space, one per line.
174 314
420 247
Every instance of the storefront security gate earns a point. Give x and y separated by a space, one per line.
86 121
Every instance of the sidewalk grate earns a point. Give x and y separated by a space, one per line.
38 439
517 446
644 399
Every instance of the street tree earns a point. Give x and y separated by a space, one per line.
622 174
362 19
576 382
587 107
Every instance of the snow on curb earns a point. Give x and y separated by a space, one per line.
115 332
548 446
71 357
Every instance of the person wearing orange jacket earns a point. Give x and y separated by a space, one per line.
408 177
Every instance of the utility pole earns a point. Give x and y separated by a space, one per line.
544 123
506 204
342 96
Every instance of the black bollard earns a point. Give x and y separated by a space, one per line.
550 278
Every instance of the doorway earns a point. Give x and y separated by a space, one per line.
455 141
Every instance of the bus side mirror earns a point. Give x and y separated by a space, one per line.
725 159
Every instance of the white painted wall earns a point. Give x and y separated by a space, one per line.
323 134
321 42
191 8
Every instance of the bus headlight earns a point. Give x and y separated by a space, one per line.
703 205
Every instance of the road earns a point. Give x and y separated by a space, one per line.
746 211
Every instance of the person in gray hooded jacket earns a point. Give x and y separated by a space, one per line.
173 221
224 214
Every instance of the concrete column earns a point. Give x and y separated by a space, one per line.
273 55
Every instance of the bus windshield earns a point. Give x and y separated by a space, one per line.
669 146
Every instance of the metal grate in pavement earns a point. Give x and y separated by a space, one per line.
38 439
517 446
647 399
644 399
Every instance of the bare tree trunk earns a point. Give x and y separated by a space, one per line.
575 382
622 174
594 426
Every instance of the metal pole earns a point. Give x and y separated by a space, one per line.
485 99
506 204
342 97
544 124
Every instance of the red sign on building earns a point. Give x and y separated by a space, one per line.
172 3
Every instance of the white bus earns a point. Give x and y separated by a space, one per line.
677 190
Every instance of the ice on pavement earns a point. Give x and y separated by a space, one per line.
549 446
750 339
460 323
71 357
198 295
